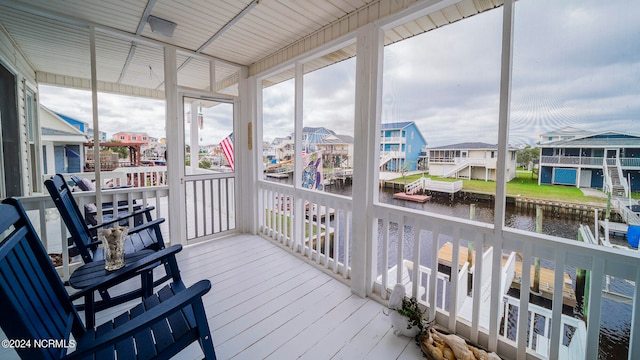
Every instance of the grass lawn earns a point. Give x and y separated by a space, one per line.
522 185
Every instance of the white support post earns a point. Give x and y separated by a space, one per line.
501 166
96 129
175 158
249 152
369 54
298 212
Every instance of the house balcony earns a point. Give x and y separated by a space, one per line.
393 140
393 154
291 287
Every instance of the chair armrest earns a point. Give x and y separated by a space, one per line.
176 303
137 208
146 226
127 272
124 217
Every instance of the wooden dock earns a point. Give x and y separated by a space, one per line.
615 228
445 254
411 197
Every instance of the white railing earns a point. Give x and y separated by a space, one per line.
623 180
313 224
607 187
442 186
418 237
405 276
392 154
630 162
539 335
125 176
393 140
571 160
210 205
51 229
463 163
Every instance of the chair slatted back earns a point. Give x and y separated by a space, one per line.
35 304
68 209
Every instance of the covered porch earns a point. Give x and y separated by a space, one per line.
296 272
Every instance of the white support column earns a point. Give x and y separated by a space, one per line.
175 157
255 88
298 227
298 108
369 55
96 128
246 148
501 166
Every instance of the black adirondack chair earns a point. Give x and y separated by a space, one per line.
144 237
38 315
108 210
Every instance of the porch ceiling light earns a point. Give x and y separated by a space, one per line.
161 26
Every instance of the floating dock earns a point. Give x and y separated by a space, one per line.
411 197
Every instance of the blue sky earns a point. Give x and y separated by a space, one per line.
575 63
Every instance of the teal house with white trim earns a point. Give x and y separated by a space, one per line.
401 145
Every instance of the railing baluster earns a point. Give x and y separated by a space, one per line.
433 281
453 277
385 256
558 286
400 247
595 307
477 286
523 310
417 279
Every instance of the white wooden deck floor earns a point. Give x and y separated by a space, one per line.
266 303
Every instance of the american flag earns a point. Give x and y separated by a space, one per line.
227 148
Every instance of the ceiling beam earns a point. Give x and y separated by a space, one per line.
132 49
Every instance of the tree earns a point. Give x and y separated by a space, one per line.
527 155
122 151
204 164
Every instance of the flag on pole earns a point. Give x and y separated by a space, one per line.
227 149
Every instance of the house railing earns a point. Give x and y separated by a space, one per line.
630 162
393 140
140 176
392 154
539 326
312 224
407 234
571 160
623 180
210 205
51 229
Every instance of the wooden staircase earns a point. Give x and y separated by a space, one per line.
617 189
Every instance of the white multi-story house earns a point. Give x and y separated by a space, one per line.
470 160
